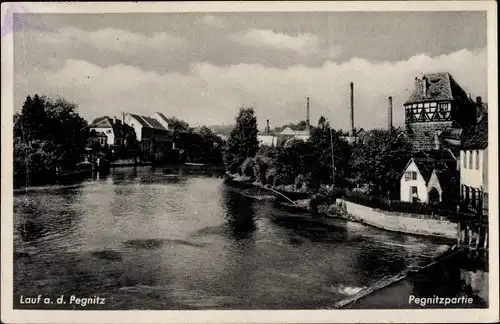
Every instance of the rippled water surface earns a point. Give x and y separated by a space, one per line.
151 238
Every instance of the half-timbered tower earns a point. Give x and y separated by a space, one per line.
437 106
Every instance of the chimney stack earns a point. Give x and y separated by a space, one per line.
389 119
268 129
424 86
351 117
123 118
307 116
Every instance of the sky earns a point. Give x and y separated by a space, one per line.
202 67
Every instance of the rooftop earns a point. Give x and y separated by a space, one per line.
477 137
441 87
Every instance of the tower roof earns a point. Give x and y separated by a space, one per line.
440 87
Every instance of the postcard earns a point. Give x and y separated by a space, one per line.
249 162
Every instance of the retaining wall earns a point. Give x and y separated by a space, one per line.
410 225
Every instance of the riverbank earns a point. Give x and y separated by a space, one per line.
449 281
438 229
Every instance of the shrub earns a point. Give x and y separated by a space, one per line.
248 168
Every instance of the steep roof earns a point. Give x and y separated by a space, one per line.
102 122
441 87
448 179
477 137
425 167
148 122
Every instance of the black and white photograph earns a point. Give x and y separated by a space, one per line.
249 157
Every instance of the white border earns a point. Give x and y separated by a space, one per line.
318 316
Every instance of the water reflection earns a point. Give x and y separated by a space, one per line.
240 214
150 242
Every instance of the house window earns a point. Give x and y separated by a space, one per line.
470 159
408 176
477 160
414 175
108 131
464 164
433 104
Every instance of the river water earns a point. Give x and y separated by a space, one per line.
156 238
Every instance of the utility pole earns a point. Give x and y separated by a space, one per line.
333 159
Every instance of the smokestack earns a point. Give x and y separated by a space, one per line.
389 118
307 115
424 86
268 129
351 117
123 118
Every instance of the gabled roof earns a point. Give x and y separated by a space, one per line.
441 87
118 128
428 161
102 122
477 137
148 122
163 118
447 179
287 131
425 167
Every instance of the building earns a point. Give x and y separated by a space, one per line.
430 177
440 109
110 131
155 136
474 169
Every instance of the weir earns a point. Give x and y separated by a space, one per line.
277 192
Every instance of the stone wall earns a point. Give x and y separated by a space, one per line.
424 132
410 225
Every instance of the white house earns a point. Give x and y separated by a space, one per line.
429 176
414 182
474 169
267 139
110 131
154 134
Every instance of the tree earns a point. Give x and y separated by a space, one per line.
242 142
380 159
322 141
48 133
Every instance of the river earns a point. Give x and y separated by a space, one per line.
156 238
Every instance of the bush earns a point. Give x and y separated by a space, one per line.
248 168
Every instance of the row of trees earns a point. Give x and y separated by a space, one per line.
50 134
374 164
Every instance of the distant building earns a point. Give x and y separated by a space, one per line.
354 136
439 109
155 136
474 168
430 176
110 131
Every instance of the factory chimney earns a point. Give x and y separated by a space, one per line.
268 129
389 117
351 117
308 124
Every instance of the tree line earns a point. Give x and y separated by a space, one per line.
49 134
373 165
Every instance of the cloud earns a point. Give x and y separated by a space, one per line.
112 39
210 94
302 43
213 21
